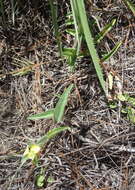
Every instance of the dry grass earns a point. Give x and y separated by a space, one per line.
99 153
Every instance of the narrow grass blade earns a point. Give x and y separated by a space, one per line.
55 24
104 31
14 10
130 5
60 106
44 115
112 52
75 18
51 134
2 11
77 25
90 42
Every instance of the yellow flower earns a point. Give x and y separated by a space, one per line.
32 151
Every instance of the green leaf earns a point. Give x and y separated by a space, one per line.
124 110
90 42
69 52
40 180
71 31
52 133
131 114
71 55
50 179
104 31
32 151
44 115
60 106
121 97
113 105
113 51
69 21
130 100
130 5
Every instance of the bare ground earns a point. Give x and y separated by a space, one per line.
99 152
